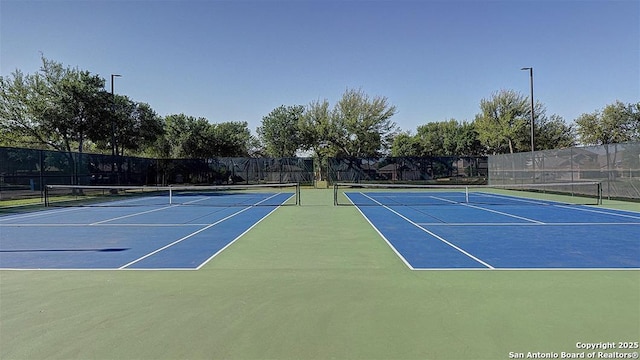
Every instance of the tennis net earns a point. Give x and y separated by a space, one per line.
363 194
231 195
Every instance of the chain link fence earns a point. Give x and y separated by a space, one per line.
416 170
25 172
616 166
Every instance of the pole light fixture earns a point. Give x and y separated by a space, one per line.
532 111
113 120
113 128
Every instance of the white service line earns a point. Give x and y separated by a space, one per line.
432 234
130 215
192 234
505 214
598 211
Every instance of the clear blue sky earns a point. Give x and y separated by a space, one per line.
238 60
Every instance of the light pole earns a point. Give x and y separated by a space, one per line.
113 126
532 113
113 115
533 155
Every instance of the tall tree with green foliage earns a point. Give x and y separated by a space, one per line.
60 107
444 138
503 121
137 126
553 133
280 131
357 126
189 137
362 126
185 136
616 123
405 144
231 139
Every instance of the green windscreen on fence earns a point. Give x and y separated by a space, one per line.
24 173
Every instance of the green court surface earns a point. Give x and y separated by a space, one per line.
313 282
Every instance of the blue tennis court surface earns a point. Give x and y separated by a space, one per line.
127 237
515 234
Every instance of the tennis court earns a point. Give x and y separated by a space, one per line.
136 228
440 228
307 282
428 228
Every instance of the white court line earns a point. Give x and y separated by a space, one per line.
560 205
432 234
146 212
381 235
530 224
38 213
192 234
411 268
515 198
241 235
153 269
479 208
131 215
101 225
531 269
505 214
598 211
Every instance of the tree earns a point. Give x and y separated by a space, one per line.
15 114
467 142
445 138
357 126
553 133
231 139
616 123
58 107
503 121
185 136
361 127
280 131
190 137
137 126
430 139
405 144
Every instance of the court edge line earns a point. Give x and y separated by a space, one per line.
560 205
241 235
600 211
416 269
528 269
190 235
102 225
530 224
96 269
407 263
130 215
38 213
432 234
